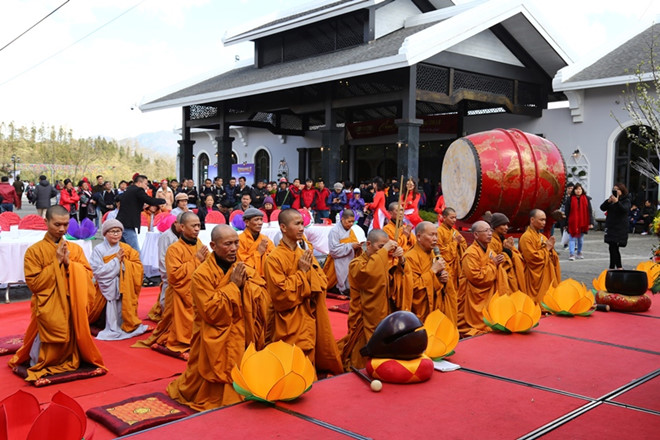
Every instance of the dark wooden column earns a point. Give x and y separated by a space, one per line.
224 144
185 147
408 140
303 158
331 138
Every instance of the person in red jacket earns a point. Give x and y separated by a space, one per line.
8 196
309 197
69 198
295 190
322 209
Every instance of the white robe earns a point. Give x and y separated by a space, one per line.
342 253
107 278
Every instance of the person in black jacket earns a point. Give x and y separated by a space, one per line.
43 192
617 207
132 202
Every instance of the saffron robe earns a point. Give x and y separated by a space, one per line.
301 315
427 291
119 285
341 252
513 265
452 252
57 338
247 251
373 283
404 242
174 330
227 320
165 240
541 265
482 279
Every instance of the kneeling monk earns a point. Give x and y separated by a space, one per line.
57 339
230 302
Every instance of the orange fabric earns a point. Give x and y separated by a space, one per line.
227 320
482 279
514 266
300 312
541 265
405 242
372 286
451 252
59 311
329 266
427 290
247 251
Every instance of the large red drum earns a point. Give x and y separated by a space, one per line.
505 171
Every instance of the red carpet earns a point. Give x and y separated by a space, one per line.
609 422
646 395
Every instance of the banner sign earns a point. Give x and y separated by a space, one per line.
243 170
447 124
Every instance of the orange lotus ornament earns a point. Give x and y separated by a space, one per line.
599 283
278 372
569 298
652 271
442 335
515 313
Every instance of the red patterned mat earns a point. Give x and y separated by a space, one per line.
84 372
138 413
9 344
166 351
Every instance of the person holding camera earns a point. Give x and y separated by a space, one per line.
336 201
617 207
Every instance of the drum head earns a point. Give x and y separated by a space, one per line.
461 178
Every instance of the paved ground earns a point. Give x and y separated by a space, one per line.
596 254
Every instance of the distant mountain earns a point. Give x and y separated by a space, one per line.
163 142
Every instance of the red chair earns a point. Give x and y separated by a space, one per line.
33 222
275 215
11 217
215 218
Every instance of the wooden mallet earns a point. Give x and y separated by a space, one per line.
375 384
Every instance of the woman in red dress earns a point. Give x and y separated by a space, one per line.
411 203
377 207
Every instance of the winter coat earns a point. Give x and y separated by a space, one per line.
43 192
616 222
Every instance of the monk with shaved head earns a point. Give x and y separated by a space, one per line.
484 276
541 260
172 336
452 245
230 302
374 278
406 238
297 287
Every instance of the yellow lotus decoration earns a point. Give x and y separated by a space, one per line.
442 335
569 298
599 283
515 313
278 372
652 271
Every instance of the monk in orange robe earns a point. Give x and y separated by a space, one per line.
406 238
174 330
452 245
253 246
425 272
541 260
484 276
230 301
57 339
513 263
373 277
297 287
343 247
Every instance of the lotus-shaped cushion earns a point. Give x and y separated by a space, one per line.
307 219
81 231
401 371
278 372
569 298
515 313
166 223
236 220
442 335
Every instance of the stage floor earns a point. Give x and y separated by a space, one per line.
582 377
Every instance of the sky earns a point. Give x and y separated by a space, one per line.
92 62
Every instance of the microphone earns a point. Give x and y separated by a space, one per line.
302 245
436 253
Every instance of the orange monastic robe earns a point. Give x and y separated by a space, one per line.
513 265
427 290
482 279
405 242
174 330
301 314
372 286
451 252
541 265
247 251
227 320
59 312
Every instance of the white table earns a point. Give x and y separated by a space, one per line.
148 242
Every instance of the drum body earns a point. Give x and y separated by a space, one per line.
505 171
